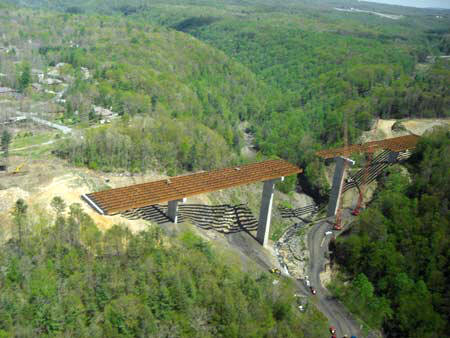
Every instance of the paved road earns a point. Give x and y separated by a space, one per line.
337 314
64 129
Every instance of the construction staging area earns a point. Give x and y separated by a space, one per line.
176 189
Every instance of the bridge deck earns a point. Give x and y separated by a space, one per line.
140 195
395 144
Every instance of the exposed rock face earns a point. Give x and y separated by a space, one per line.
303 200
85 72
292 250
53 73
6 90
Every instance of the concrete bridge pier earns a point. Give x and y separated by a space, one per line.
265 212
336 188
172 210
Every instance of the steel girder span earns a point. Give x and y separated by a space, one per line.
340 155
176 189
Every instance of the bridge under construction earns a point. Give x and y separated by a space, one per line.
175 190
393 149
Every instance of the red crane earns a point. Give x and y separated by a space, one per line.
395 144
362 186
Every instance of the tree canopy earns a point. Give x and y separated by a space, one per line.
64 277
401 244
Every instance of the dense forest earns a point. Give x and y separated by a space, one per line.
137 69
169 145
398 251
64 277
295 71
324 70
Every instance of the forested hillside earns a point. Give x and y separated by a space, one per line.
300 69
137 69
326 67
399 249
64 277
166 144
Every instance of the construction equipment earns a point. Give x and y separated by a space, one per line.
18 169
275 271
371 148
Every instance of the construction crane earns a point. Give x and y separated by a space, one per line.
392 145
362 186
369 151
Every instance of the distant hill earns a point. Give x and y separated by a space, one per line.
306 67
138 68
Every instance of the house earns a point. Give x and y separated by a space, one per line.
103 112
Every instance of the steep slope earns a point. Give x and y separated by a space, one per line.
317 64
136 68
397 252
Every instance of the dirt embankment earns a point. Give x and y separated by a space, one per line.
382 129
41 180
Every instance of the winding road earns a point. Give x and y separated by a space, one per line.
338 316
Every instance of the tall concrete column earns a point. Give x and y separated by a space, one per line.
172 211
265 212
336 188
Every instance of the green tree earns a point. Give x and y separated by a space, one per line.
5 142
58 205
398 246
20 218
25 76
